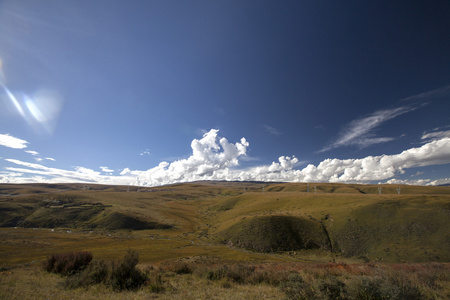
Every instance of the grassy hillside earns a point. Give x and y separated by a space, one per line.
331 221
231 240
412 225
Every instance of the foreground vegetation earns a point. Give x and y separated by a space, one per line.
225 240
211 278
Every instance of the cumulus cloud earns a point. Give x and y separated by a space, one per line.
210 159
358 132
12 142
378 167
366 169
215 158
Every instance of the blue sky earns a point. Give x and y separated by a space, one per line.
145 92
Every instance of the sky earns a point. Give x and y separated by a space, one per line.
160 92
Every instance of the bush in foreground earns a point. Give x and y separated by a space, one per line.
124 275
81 272
68 263
326 281
296 281
97 272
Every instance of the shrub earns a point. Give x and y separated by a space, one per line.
97 272
236 273
124 275
408 289
155 282
296 288
332 288
68 263
181 268
368 287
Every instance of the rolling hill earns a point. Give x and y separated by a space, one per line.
241 220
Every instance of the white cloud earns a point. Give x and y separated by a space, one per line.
271 130
440 92
37 157
15 177
378 167
417 174
441 181
358 132
106 170
436 135
125 171
146 152
215 158
12 142
32 152
209 160
55 175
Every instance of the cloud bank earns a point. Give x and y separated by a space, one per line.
215 158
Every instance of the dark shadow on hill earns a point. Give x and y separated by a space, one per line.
116 221
276 233
72 217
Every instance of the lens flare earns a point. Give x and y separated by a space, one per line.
41 110
35 111
13 99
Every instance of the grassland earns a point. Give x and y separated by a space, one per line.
207 224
